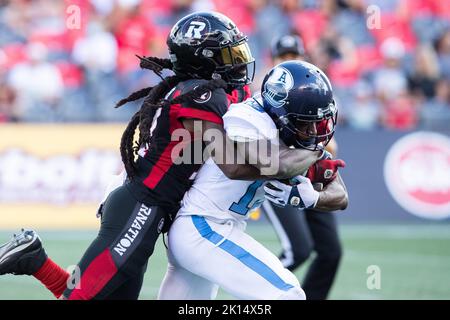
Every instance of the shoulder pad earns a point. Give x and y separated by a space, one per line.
191 84
213 102
247 121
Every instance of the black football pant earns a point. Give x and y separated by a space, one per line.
113 266
302 232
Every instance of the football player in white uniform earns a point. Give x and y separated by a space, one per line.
309 231
207 244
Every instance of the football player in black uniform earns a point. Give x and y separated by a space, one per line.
212 65
312 230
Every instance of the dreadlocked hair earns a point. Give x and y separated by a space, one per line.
154 99
152 63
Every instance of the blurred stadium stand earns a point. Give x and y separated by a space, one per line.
396 76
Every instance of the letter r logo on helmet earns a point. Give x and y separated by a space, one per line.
195 29
209 45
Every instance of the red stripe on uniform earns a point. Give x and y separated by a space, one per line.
165 159
95 277
161 167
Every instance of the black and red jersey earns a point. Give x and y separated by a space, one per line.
159 180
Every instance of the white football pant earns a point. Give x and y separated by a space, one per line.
205 255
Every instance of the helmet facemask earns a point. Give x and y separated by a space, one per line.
234 62
295 129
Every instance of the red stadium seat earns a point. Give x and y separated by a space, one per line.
310 24
343 75
393 26
53 41
441 9
71 74
417 8
13 54
156 7
368 58
240 13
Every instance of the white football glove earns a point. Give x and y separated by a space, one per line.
299 196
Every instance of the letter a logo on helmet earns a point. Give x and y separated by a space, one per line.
296 93
277 86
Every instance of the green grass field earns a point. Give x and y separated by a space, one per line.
414 261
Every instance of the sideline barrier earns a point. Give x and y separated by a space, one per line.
53 176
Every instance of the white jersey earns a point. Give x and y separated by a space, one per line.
213 194
207 243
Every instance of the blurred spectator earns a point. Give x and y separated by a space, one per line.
287 47
38 84
351 22
443 50
400 113
436 112
344 68
390 80
37 78
270 22
363 113
390 83
425 74
321 56
97 51
135 33
103 7
391 76
7 103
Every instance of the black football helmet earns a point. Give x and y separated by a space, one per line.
299 98
207 45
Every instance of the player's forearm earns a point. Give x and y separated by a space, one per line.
291 163
276 161
333 197
294 162
260 159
